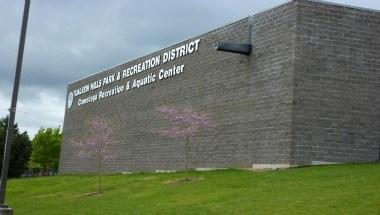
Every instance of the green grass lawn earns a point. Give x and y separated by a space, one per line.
336 189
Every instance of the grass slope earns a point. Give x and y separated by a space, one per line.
337 189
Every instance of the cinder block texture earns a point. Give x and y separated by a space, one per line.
336 112
306 94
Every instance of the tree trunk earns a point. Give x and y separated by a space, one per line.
99 174
186 152
44 169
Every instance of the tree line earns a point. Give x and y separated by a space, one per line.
42 152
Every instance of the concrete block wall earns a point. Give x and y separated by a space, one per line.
306 94
271 85
336 114
248 97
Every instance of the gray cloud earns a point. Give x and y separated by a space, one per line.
69 39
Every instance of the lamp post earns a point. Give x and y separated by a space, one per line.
12 113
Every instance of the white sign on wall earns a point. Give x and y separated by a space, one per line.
85 91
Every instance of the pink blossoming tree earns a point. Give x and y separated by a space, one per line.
96 145
184 124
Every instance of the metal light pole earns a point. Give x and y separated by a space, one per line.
12 111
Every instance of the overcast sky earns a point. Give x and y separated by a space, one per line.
70 39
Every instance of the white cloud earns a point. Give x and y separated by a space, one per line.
70 39
46 109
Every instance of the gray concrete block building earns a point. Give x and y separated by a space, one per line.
308 93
